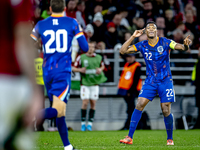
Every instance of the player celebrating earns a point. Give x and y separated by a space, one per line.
156 51
56 33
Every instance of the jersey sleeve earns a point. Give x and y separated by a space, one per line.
35 32
137 46
77 30
80 36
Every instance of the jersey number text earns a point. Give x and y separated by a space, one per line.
56 37
169 92
148 55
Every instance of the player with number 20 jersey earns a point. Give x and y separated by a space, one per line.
56 33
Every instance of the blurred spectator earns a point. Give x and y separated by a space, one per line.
98 8
120 28
169 22
142 37
189 6
159 5
46 12
89 31
36 17
127 35
111 37
91 8
160 22
71 9
138 23
124 22
109 13
99 28
182 27
173 5
178 36
101 45
80 14
190 23
148 14
160 32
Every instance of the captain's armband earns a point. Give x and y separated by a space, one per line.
172 44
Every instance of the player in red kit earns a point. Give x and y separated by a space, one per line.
17 75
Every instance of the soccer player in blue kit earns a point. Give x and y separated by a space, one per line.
56 33
156 52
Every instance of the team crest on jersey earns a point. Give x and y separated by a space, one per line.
160 49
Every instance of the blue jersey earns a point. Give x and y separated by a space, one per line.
156 58
56 34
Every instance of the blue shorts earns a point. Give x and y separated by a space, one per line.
164 89
58 84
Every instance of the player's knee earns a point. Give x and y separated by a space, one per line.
166 109
85 103
165 112
140 104
92 104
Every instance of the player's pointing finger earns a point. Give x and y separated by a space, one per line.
188 36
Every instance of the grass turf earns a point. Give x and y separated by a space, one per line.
109 140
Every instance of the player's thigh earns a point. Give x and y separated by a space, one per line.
15 96
94 92
148 91
85 92
60 89
60 106
60 86
47 82
166 91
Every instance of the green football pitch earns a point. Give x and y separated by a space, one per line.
109 140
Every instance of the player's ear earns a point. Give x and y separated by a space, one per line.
65 9
50 9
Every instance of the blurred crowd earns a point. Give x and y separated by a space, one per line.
109 22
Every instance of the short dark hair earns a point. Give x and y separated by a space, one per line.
92 42
57 5
150 22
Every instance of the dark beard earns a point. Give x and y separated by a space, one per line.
150 37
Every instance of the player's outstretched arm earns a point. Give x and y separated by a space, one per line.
81 70
185 45
83 43
125 47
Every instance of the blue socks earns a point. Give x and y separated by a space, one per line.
63 131
169 126
134 121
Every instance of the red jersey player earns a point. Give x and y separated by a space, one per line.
17 75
